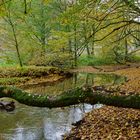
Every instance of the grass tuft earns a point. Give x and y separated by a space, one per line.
96 61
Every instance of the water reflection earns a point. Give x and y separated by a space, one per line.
31 123
78 80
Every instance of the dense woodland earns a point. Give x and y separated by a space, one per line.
74 53
67 33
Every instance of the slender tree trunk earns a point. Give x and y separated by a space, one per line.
25 7
126 50
87 48
10 22
19 58
43 28
75 45
16 41
70 41
69 45
85 37
93 43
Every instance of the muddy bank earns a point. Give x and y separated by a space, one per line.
106 68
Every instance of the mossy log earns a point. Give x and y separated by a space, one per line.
71 97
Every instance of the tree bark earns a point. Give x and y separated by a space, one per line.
75 45
71 97
25 6
10 22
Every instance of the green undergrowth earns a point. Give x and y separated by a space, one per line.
2 64
135 58
18 75
13 80
93 60
27 71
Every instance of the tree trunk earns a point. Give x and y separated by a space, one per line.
75 45
16 41
93 43
85 25
25 6
71 97
43 29
126 50
17 47
10 22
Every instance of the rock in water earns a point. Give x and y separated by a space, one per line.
7 105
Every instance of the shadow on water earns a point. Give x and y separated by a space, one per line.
33 123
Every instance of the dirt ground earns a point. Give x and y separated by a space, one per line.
111 123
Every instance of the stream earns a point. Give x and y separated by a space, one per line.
34 123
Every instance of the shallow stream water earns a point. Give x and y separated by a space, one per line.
34 123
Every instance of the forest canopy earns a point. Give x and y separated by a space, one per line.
63 32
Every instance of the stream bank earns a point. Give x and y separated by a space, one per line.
109 120
112 122
31 75
31 123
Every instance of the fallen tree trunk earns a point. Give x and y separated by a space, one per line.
71 97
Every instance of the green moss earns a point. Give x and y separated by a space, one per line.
25 71
13 80
96 61
135 58
71 97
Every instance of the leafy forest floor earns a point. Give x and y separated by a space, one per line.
106 123
111 123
